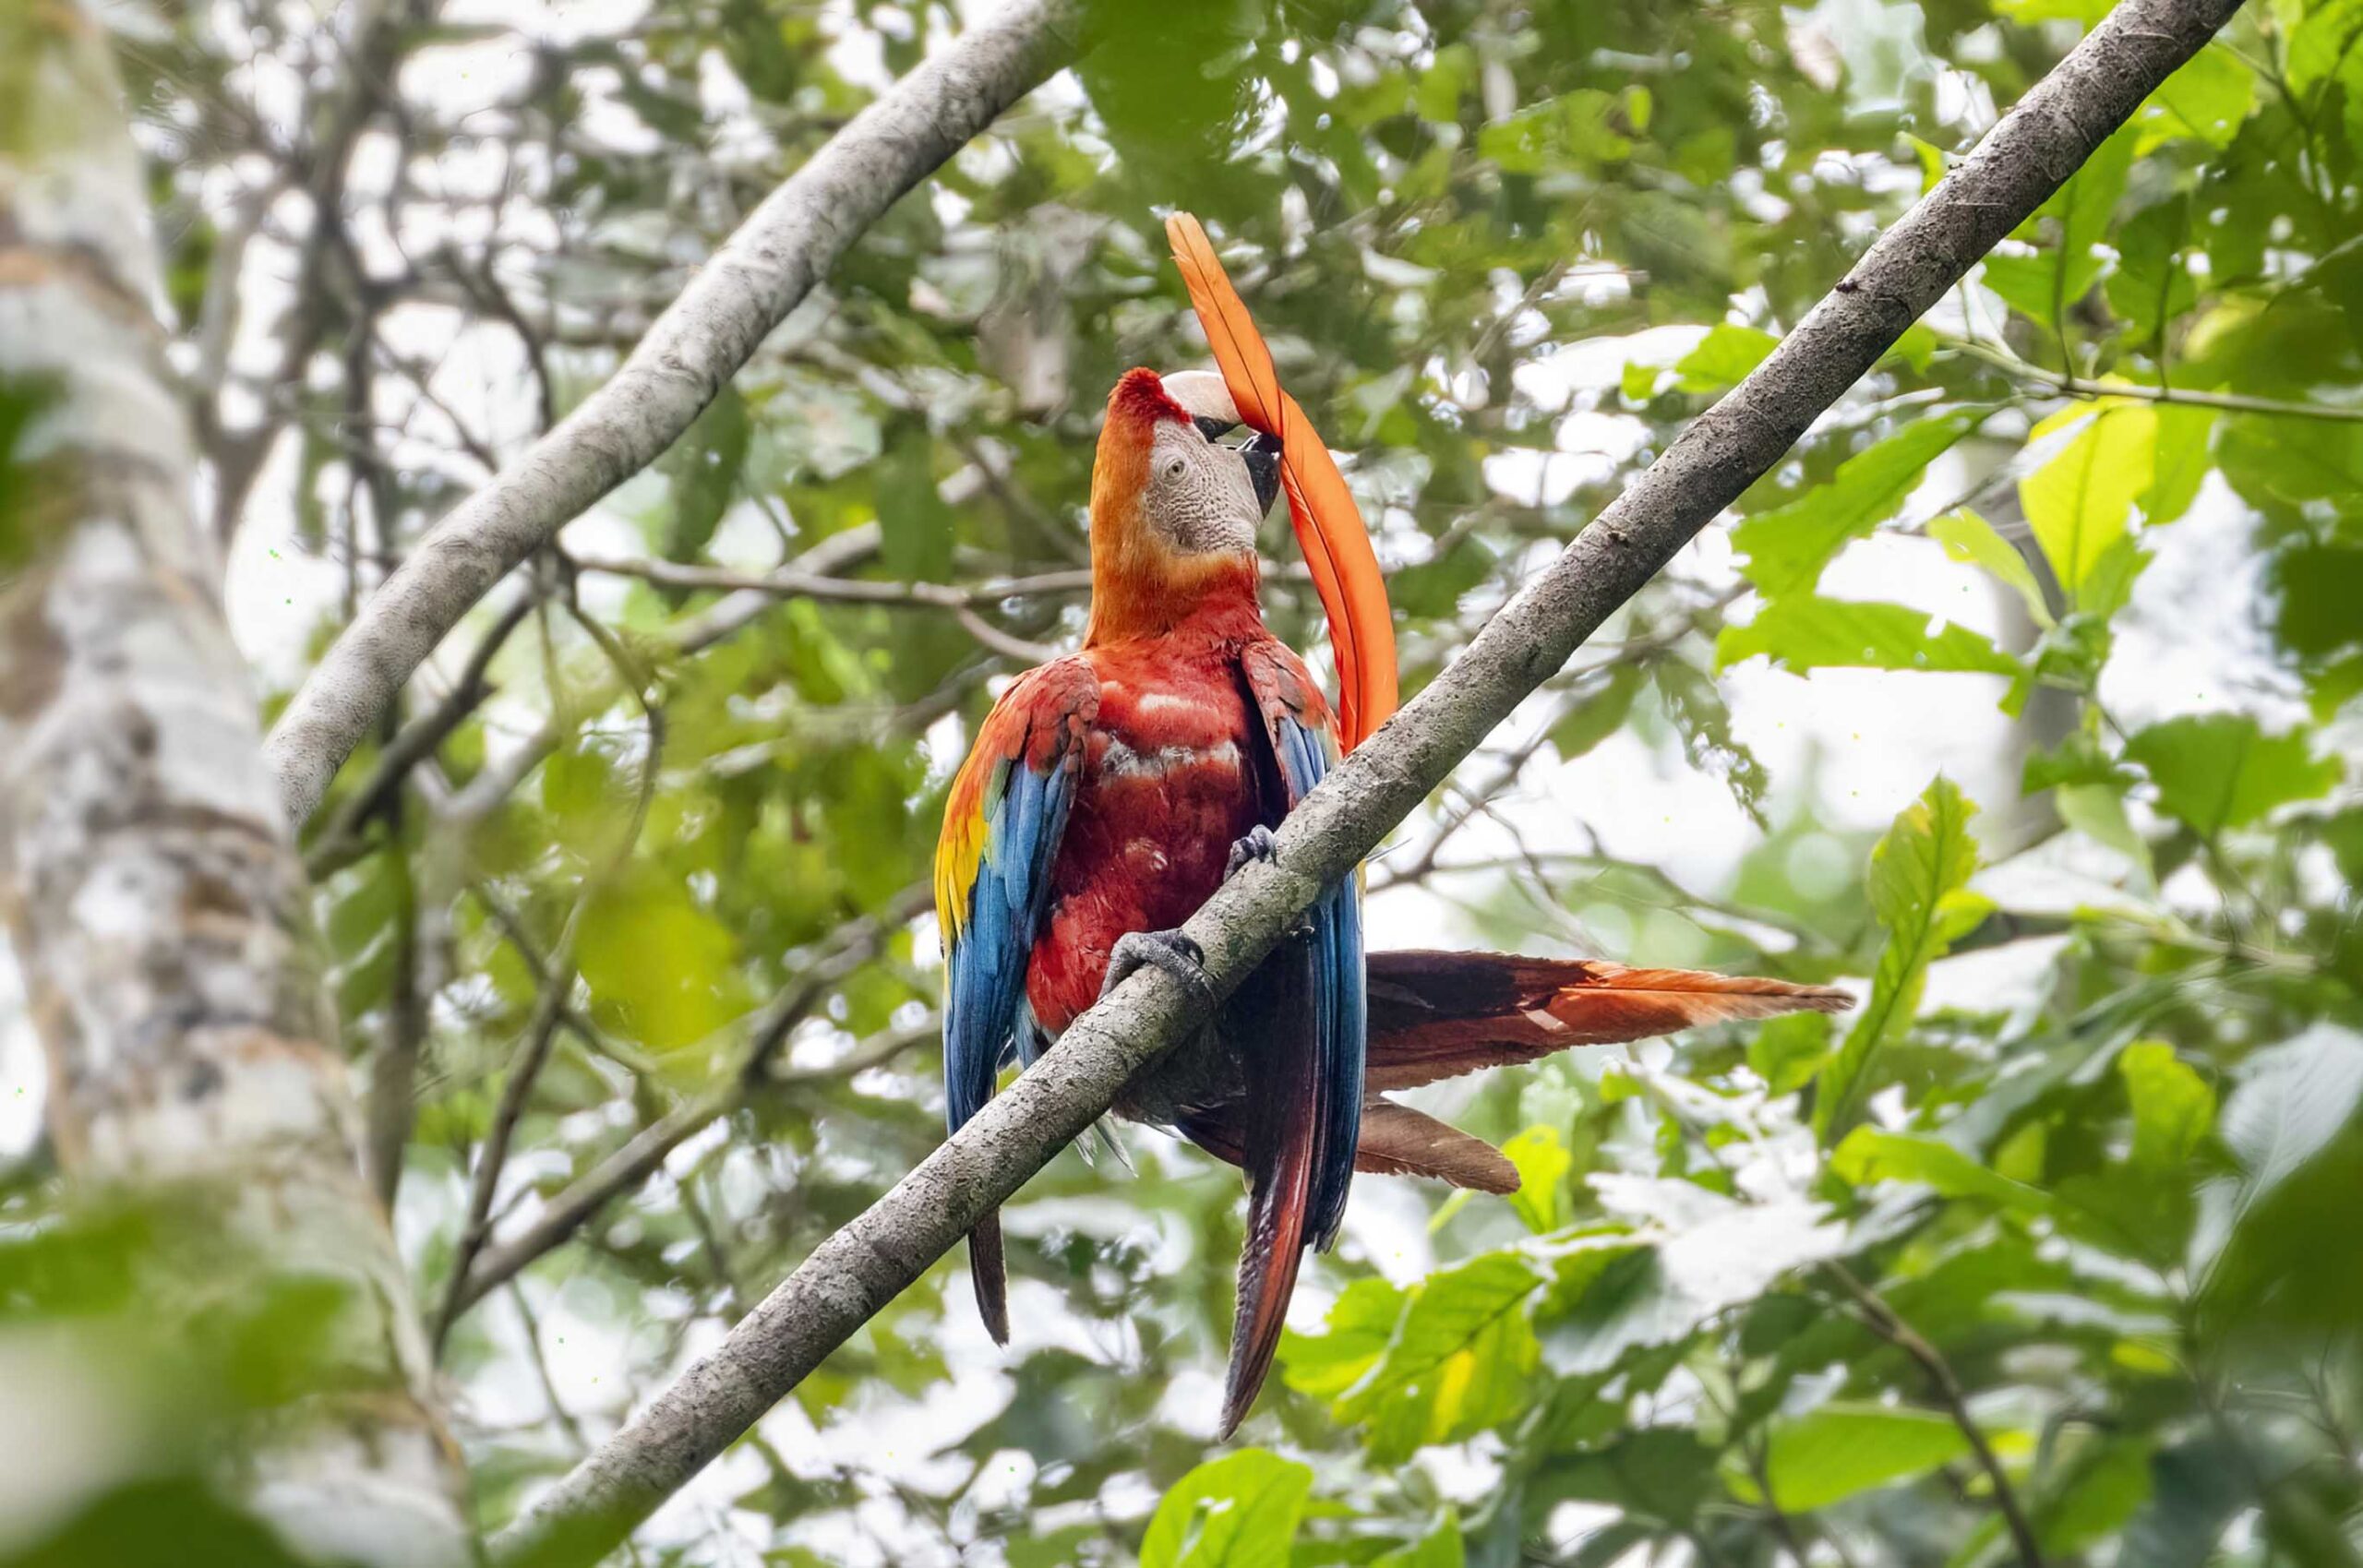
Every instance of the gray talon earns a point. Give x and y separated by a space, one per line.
1257 844
1168 950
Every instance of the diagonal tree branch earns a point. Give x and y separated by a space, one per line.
2034 150
762 272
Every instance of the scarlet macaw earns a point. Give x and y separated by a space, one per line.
1110 792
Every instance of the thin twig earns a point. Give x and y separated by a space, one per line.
765 1032
640 1157
1882 1320
339 842
533 1050
2058 385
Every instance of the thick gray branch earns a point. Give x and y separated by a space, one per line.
2035 148
761 274
152 896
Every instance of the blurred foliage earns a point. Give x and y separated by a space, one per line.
2058 1267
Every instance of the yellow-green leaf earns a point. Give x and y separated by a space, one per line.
1919 889
1969 538
2079 503
1241 1511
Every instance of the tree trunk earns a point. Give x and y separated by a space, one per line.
153 898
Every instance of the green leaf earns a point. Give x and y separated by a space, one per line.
1575 130
1919 889
2043 286
1443 83
2079 502
2098 1499
2184 454
1787 1051
1241 1511
1970 539
1593 720
1787 547
2028 13
1451 1356
1441 1548
2152 284
1870 1154
1916 347
1805 632
2321 46
660 969
1658 1475
2219 770
1448 1313
2173 1107
1843 1449
2195 1490
1696 709
1360 1327
1724 358
1542 1163
2287 464
704 467
2292 1099
914 525
1700 1254
2208 98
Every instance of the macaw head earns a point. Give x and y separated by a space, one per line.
1174 509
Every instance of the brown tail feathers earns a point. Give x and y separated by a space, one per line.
1436 1015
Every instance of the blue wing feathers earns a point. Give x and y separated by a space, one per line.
1025 814
1341 1008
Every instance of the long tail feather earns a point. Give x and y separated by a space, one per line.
1399 1140
988 1272
1436 1015
1281 1153
1329 527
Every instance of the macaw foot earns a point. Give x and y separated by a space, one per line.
1168 950
1259 843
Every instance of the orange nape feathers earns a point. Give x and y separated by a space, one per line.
1140 586
1328 524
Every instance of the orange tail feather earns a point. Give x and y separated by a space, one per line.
1329 528
1436 1015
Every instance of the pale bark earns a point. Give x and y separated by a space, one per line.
152 896
2043 139
762 272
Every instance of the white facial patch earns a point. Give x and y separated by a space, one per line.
1199 496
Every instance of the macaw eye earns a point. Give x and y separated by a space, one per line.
1173 467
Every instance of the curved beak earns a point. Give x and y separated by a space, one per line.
1328 525
1263 455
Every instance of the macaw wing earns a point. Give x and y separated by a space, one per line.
1301 1020
1304 744
1002 828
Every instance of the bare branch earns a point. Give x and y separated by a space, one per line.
761 273
2031 152
638 1159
